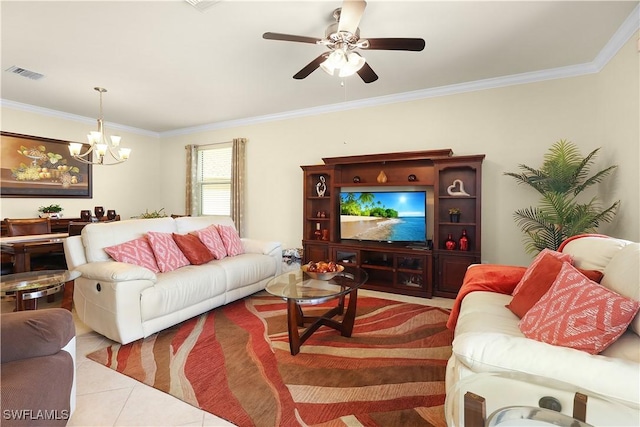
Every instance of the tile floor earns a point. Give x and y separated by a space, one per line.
106 398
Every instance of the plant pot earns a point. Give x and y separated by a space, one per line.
454 217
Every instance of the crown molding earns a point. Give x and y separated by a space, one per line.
5 103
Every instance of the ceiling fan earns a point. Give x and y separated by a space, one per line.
342 38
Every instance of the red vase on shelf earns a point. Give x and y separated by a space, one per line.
463 243
318 233
450 244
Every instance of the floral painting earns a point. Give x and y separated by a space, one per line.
41 167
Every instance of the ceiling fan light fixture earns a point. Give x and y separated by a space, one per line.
353 65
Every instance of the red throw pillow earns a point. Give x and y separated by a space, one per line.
538 282
210 237
531 269
137 252
195 251
168 254
231 240
578 313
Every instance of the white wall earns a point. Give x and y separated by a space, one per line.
511 125
129 188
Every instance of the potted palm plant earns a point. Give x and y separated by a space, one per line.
562 178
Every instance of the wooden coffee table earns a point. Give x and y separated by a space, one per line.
298 289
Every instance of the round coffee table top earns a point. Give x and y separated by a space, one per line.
35 280
299 286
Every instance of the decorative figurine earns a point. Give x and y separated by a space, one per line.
321 186
457 189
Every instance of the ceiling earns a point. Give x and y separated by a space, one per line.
169 66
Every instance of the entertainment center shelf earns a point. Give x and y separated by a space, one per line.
412 269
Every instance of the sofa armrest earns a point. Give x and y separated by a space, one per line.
254 246
33 333
113 271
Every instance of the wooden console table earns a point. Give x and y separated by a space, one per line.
22 247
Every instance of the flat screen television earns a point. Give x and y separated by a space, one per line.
383 216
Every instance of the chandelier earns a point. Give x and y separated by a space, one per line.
104 148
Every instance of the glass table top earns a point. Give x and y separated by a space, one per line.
301 287
33 280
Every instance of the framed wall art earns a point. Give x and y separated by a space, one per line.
33 166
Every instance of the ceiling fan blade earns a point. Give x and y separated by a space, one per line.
290 38
415 45
367 74
310 67
350 15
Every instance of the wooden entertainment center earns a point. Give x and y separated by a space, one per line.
453 182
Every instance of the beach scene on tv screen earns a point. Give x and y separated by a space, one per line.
383 216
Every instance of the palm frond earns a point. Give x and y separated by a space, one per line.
563 176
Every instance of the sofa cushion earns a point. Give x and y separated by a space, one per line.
136 251
97 236
578 313
231 240
192 248
593 252
246 269
210 237
622 275
539 281
168 254
531 270
182 288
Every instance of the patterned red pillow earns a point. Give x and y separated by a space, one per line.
578 313
211 239
168 254
137 252
534 264
231 240
538 282
195 251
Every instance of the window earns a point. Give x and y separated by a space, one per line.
213 179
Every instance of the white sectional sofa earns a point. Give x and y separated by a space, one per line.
126 302
488 343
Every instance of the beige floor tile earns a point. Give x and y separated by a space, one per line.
150 407
92 378
99 409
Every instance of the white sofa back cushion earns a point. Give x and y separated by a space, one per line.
187 224
622 276
98 236
593 253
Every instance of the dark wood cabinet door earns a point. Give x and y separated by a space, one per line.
451 270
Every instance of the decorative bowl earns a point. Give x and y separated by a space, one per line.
322 276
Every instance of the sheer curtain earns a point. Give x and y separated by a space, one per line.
193 194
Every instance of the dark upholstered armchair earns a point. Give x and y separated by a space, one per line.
37 386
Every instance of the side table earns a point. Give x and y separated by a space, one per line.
27 287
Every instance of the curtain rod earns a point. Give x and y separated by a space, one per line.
208 145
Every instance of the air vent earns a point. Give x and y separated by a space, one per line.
25 73
202 5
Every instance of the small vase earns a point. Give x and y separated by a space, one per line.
450 244
85 215
454 217
111 214
99 211
463 242
382 177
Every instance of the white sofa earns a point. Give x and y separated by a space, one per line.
488 344
125 302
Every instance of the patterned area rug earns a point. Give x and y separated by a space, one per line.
234 362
